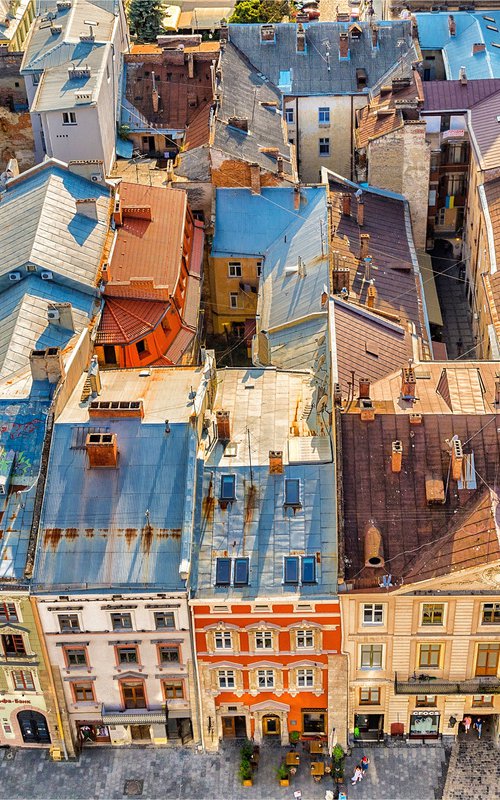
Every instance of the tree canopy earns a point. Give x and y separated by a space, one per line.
260 11
145 17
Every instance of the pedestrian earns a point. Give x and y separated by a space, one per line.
478 725
467 723
358 775
365 761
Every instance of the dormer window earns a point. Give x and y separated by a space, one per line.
223 572
291 569
308 569
292 492
228 488
241 571
300 570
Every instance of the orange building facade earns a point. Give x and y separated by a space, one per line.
153 280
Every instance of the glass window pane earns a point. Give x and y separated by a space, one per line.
292 492
308 569
228 487
223 572
291 569
241 572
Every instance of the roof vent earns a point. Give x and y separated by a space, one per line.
374 547
275 462
102 450
116 408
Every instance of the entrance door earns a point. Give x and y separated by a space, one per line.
34 727
140 733
228 728
148 143
271 725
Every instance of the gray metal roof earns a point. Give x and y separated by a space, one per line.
269 410
319 70
57 89
123 527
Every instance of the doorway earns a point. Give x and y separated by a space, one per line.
271 725
140 733
34 727
234 727
369 727
148 144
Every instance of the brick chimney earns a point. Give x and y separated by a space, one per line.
255 178
497 389
190 65
463 76
457 459
279 166
275 462
373 546
452 25
364 245
478 47
367 410
118 212
223 426
344 45
364 388
361 211
301 38
408 383
241 123
296 198
371 295
102 450
374 36
346 204
396 456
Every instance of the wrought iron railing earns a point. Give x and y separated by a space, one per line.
427 684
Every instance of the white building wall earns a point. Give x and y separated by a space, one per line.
81 142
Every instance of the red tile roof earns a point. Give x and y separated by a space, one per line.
182 342
198 130
196 264
125 321
456 96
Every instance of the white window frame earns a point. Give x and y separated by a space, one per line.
60 614
305 678
226 678
324 141
225 640
324 115
233 300
234 269
373 609
372 665
267 639
265 679
303 637
289 117
69 118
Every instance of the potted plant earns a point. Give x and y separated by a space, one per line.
245 772
247 750
338 763
294 737
283 775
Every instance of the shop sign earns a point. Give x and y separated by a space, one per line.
426 713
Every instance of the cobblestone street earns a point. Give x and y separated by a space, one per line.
394 774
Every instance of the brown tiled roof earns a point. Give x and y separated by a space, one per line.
198 130
192 302
456 96
367 345
486 131
376 121
125 321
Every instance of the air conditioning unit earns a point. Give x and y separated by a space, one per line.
14 276
52 314
46 276
95 178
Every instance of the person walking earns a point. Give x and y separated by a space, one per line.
364 763
358 775
467 723
478 725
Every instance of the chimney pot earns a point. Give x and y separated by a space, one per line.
397 456
346 204
361 211
408 383
373 546
223 426
275 462
364 388
457 458
452 25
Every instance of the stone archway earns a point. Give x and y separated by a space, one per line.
270 709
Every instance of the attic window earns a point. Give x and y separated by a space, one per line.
228 487
291 569
223 572
292 492
241 571
308 569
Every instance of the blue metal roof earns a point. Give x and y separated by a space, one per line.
471 28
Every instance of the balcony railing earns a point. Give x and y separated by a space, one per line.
426 684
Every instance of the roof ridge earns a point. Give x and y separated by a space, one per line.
131 313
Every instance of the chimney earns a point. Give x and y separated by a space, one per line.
241 123
94 376
452 25
371 295
415 419
434 489
457 459
396 456
54 364
364 245
116 408
267 34
364 388
223 426
155 97
296 198
344 45
463 76
361 210
255 178
374 36
102 450
279 166
367 410
87 208
341 280
478 47
190 65
223 32
301 38
374 547
275 462
346 204
38 365
408 383
118 212
497 389
105 273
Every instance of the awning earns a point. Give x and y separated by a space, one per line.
430 291
133 717
124 148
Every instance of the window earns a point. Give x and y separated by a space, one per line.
121 622
23 680
223 640
13 645
324 146
292 492
233 300
425 700
133 695
305 678
76 656
308 569
241 571
69 118
173 690
456 184
484 700
491 614
228 487
371 656
68 623
369 696
223 572
164 619
291 569
373 614
314 721
305 639
429 655
487 659
265 678
141 347
441 216
127 655
456 154
35 78
289 115
259 268
226 678
432 614
264 640
169 654
83 692
234 269
8 612
324 116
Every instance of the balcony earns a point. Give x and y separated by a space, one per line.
427 684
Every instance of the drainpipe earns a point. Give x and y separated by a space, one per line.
45 654
197 675
297 151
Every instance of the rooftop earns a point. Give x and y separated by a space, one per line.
471 28
125 320
59 89
125 526
386 112
484 130
456 95
10 19
268 410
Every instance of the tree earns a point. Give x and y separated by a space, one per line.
260 11
145 18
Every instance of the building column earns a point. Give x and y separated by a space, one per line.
338 694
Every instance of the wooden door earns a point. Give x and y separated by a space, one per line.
133 695
140 733
271 726
228 727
